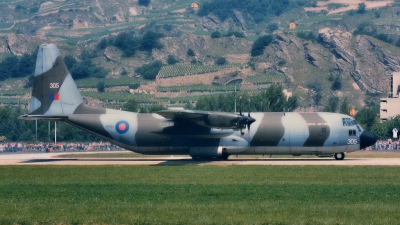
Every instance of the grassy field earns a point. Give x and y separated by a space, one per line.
196 194
360 154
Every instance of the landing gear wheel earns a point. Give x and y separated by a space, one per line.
339 156
224 157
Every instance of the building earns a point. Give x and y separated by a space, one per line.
389 107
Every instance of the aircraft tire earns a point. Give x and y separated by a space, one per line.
224 157
339 156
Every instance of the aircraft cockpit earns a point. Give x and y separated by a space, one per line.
351 122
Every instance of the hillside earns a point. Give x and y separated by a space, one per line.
333 42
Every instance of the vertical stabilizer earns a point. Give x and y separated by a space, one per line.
54 92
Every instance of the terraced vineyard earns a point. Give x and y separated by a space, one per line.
13 92
13 101
191 69
109 82
266 78
198 88
119 96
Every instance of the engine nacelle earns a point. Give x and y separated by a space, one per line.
221 120
206 152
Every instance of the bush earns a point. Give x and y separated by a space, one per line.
337 84
237 34
216 34
190 52
221 61
306 36
259 45
144 2
87 69
127 44
361 8
149 71
150 40
100 86
171 60
272 27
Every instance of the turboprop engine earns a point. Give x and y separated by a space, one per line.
227 146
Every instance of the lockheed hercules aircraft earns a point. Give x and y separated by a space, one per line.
200 134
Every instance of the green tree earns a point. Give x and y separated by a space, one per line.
100 86
272 27
87 69
70 61
190 52
379 129
153 108
127 44
131 105
333 103
26 65
8 68
366 117
216 34
292 103
344 107
144 2
150 40
103 44
171 60
221 61
149 71
337 84
361 8
260 44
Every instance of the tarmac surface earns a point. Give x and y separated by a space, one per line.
52 159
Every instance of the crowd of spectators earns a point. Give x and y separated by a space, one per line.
386 145
58 147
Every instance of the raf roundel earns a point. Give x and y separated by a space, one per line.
122 127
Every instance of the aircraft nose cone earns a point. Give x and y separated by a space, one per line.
251 120
367 139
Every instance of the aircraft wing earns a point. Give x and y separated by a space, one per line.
183 114
219 120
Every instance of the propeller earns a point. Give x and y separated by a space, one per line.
244 121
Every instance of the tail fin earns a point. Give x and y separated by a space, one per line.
54 92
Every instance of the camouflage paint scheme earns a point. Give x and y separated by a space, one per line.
198 133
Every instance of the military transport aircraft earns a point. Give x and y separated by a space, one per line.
200 134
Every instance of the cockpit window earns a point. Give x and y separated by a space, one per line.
358 128
349 122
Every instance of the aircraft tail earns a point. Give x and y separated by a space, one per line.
54 94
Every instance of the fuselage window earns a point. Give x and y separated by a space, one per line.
350 132
344 122
323 129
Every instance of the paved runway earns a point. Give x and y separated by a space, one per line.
51 159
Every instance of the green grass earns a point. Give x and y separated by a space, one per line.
194 194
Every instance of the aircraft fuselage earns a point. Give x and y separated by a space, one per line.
271 133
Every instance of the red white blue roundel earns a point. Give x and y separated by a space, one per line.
122 127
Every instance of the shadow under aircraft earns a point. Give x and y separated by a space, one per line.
201 134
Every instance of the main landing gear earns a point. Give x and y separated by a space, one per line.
339 156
